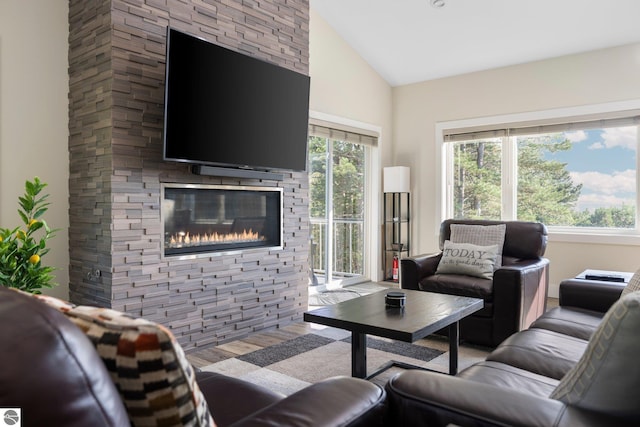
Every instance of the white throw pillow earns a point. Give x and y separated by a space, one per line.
481 235
468 259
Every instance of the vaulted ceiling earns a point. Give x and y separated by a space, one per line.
408 41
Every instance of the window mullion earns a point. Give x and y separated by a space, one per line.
448 167
637 228
509 178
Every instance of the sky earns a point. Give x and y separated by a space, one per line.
604 162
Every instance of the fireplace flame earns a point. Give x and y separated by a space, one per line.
185 239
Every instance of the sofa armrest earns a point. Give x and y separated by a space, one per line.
434 399
596 295
519 295
339 401
230 399
413 269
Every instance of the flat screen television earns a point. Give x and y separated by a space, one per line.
224 108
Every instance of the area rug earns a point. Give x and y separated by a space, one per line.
291 365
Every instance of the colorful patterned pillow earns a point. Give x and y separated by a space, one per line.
633 285
481 235
56 303
606 375
156 382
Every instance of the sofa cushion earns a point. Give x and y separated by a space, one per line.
633 285
608 374
572 321
156 382
481 235
453 284
503 375
468 259
541 351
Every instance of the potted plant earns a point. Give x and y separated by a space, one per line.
22 248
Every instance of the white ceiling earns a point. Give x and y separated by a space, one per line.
408 41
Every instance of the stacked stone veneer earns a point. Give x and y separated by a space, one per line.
116 95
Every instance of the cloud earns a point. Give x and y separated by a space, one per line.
576 136
626 137
615 183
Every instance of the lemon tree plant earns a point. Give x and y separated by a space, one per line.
22 248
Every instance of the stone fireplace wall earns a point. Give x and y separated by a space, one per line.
116 73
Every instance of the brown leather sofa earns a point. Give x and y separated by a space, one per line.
523 380
512 300
51 371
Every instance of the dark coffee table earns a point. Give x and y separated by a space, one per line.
423 314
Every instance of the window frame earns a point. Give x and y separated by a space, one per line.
373 269
444 174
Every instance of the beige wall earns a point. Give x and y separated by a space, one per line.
591 78
33 116
344 85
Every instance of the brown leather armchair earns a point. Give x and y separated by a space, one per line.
512 300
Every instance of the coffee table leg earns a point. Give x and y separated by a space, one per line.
358 355
454 331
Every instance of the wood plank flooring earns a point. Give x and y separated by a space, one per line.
253 342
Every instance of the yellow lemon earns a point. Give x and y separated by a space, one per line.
20 234
32 222
34 259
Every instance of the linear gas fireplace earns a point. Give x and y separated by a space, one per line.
205 219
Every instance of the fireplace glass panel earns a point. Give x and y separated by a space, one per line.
199 219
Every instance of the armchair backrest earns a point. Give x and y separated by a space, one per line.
524 240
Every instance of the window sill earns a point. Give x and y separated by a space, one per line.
595 238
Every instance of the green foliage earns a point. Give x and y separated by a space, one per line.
477 191
622 217
22 248
546 192
317 176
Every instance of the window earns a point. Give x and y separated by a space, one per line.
579 175
338 163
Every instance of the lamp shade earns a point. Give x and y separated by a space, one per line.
396 179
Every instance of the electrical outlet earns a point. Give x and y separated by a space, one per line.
93 274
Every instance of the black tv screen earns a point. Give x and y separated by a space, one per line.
224 108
